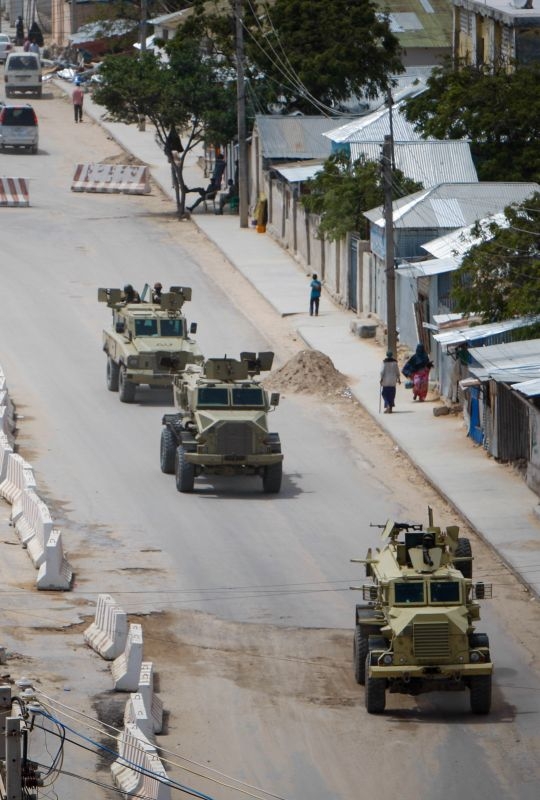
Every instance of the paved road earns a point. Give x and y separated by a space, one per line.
127 528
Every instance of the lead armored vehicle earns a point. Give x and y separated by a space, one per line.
417 631
221 423
148 343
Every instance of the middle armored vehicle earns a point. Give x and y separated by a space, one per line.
417 632
221 423
148 343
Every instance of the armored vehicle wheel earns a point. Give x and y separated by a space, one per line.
360 651
113 371
167 452
126 388
478 640
480 691
375 696
272 478
185 472
464 550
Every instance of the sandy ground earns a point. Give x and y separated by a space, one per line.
223 681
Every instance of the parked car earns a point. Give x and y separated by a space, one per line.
19 127
5 46
22 73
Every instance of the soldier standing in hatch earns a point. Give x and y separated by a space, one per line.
156 293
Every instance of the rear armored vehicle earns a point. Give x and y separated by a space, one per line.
221 423
148 342
417 631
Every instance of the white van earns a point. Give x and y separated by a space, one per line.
22 73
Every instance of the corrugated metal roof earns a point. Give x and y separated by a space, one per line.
528 388
453 205
428 162
374 127
298 173
294 137
432 266
469 334
458 242
512 362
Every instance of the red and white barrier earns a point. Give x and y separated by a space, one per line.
111 178
126 669
14 192
107 635
138 772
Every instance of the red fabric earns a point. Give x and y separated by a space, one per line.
421 383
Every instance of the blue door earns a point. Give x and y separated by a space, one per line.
475 425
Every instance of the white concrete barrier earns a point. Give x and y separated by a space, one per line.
5 451
107 635
34 525
55 573
127 667
135 714
152 703
113 178
14 192
138 772
19 476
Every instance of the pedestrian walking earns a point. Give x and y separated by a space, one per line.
19 31
389 379
77 98
315 296
417 370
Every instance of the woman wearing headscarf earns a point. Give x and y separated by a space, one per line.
417 369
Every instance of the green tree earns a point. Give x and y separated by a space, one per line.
342 192
306 54
500 276
497 109
188 100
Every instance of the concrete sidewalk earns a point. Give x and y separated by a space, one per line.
493 499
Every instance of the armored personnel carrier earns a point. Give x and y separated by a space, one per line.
148 342
221 423
417 632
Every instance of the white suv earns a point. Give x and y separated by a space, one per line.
19 127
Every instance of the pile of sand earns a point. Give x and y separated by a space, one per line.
308 371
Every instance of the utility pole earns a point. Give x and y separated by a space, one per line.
144 14
13 758
389 240
241 117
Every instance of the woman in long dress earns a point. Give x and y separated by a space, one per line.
417 369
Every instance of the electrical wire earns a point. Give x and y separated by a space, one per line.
131 764
117 732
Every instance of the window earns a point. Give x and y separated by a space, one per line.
146 327
172 327
18 115
444 592
412 592
248 397
24 62
211 397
